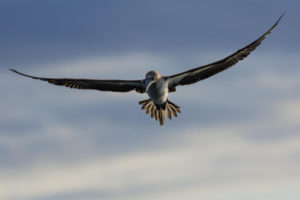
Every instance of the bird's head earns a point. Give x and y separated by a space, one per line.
151 76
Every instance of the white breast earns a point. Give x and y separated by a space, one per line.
158 91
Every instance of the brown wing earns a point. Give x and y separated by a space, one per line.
103 85
203 72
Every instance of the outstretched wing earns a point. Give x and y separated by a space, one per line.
103 85
203 72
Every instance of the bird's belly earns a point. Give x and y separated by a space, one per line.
158 92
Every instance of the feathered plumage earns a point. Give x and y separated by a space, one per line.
157 86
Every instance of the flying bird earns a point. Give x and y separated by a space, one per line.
157 86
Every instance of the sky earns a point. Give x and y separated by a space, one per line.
236 138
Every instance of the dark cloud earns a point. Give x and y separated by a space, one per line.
49 31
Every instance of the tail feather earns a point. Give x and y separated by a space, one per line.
161 116
156 115
153 110
148 109
144 107
159 112
144 101
169 114
175 107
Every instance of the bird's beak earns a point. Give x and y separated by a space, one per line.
148 80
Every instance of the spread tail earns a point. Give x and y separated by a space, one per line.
159 111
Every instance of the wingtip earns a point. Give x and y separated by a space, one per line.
281 16
13 70
276 23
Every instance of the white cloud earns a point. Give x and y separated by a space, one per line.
289 112
196 164
125 66
208 161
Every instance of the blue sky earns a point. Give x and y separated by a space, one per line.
236 138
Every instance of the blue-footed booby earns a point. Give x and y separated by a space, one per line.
156 86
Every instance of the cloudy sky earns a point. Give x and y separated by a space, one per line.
236 138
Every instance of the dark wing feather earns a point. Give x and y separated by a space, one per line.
203 72
103 85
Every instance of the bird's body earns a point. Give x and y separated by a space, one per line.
156 86
158 92
157 89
